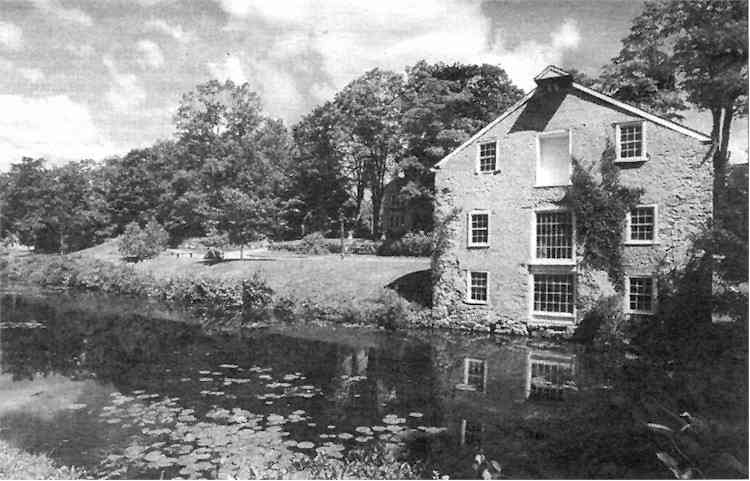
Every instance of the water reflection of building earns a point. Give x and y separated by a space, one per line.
486 386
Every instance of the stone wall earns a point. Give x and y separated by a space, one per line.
675 177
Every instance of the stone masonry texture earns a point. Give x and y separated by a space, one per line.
676 178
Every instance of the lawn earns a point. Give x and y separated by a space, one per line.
324 278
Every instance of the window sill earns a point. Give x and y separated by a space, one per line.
631 160
549 186
478 246
557 315
641 243
640 313
487 172
552 262
476 303
466 387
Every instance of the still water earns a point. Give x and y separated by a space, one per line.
124 389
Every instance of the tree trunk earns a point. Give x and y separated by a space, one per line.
722 118
242 251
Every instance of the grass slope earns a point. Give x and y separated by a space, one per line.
324 278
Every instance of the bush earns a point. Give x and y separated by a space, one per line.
391 311
214 254
605 324
314 244
414 244
138 243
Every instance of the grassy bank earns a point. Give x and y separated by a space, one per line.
257 289
18 464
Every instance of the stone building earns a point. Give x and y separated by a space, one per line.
512 255
399 215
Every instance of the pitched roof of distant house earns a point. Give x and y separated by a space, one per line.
552 72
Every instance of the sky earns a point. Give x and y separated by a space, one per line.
94 78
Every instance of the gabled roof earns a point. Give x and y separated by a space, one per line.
553 72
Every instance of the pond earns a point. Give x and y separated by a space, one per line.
126 390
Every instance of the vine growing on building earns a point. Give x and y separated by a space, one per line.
600 206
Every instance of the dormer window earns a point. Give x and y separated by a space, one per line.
487 156
631 142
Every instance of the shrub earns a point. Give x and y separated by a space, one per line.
214 254
605 324
414 244
314 244
391 311
143 243
257 297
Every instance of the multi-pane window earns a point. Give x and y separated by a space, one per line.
554 235
549 377
479 233
553 165
643 224
471 432
641 294
630 141
474 373
553 293
478 286
487 157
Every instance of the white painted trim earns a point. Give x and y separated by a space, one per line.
478 166
544 261
654 294
552 318
553 133
643 114
628 217
487 127
468 298
484 372
469 215
644 144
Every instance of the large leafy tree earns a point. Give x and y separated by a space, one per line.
369 133
228 150
692 51
444 104
58 209
317 182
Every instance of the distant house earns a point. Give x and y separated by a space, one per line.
513 253
399 215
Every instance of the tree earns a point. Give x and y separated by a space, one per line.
317 180
57 209
443 106
369 132
229 151
688 50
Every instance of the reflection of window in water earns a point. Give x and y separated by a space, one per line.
471 433
475 375
549 375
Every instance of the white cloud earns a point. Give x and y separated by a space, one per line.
174 31
230 69
54 127
11 36
83 50
344 39
68 14
151 55
33 75
126 92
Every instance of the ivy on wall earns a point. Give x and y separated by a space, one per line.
600 207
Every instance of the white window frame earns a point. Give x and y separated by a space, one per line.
553 133
565 317
644 143
629 240
468 386
479 157
544 260
469 300
469 228
654 294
